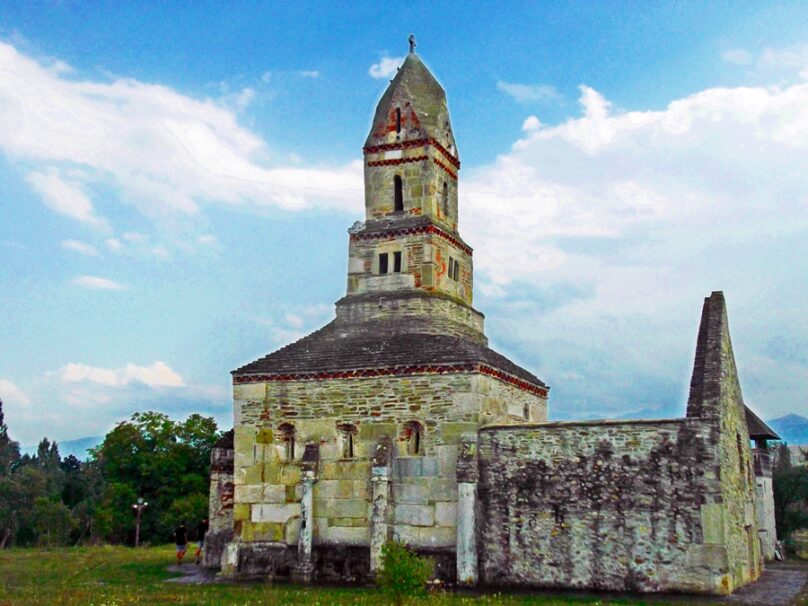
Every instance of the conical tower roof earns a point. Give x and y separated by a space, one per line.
414 85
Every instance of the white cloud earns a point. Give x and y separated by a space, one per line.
311 73
64 196
527 93
98 283
10 393
83 248
737 56
531 123
386 67
598 237
157 375
163 152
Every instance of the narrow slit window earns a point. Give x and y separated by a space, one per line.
414 438
445 200
456 275
398 119
526 412
287 432
398 194
347 430
450 273
397 262
383 263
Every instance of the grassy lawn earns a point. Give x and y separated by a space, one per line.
118 576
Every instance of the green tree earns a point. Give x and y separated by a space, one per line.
164 461
52 522
790 484
18 493
403 572
9 449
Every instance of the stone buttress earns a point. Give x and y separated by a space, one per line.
349 437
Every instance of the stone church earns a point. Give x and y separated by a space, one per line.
396 421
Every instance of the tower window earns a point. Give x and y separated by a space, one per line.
397 262
414 434
445 200
398 194
398 119
383 263
456 273
450 273
287 431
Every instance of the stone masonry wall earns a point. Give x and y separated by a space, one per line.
605 505
424 265
220 508
423 488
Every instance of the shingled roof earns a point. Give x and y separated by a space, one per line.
757 427
371 345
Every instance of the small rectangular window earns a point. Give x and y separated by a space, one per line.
397 262
456 271
450 273
398 119
383 263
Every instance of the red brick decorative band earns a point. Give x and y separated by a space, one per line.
397 161
396 371
445 168
375 149
412 231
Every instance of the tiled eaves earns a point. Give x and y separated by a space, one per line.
412 231
396 371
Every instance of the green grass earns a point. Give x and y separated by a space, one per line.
118 576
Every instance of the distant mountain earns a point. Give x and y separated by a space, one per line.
793 429
80 447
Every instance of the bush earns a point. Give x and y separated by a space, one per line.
403 573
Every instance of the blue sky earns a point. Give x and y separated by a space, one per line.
177 180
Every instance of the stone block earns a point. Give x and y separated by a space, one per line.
447 461
249 475
248 493
348 522
274 493
712 523
446 513
451 432
261 531
264 436
416 491
241 512
250 391
274 512
341 508
336 489
292 531
372 431
341 535
444 489
414 515
290 474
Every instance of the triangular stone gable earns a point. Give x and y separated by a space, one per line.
715 374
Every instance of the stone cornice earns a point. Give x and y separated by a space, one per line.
395 371
375 149
411 231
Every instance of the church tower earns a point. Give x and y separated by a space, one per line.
350 436
411 181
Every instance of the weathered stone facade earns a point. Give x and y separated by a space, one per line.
220 515
397 421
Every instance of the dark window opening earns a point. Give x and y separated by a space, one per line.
383 263
347 430
398 119
450 273
398 194
526 412
397 262
414 445
445 200
456 275
287 432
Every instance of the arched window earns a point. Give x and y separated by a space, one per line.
398 194
444 203
398 119
347 436
414 433
287 433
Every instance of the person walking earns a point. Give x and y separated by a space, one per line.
201 531
181 539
